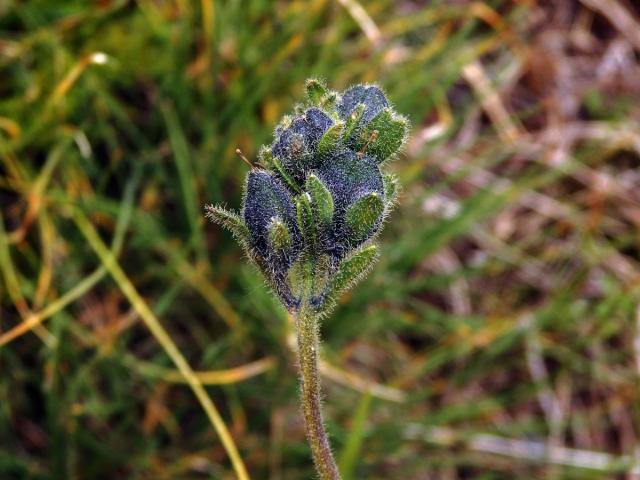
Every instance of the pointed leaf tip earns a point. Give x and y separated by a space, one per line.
353 121
229 220
316 89
329 100
351 270
330 141
321 200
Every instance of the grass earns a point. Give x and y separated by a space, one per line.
496 339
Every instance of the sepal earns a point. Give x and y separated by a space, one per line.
353 121
329 101
391 187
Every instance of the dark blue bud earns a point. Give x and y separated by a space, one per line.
296 144
371 97
348 176
267 199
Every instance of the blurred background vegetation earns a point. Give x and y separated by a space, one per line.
499 336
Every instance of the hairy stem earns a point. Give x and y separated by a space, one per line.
308 343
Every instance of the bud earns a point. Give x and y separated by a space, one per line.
371 97
311 212
296 142
266 198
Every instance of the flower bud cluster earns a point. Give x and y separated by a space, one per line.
319 197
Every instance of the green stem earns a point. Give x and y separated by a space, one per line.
308 343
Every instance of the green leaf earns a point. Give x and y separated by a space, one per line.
351 270
384 135
277 165
229 220
279 235
321 200
330 141
363 214
353 121
305 219
329 100
316 89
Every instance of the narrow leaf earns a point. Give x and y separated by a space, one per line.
265 157
329 100
305 218
315 90
351 270
363 215
350 453
330 141
391 133
277 165
229 220
353 121
321 200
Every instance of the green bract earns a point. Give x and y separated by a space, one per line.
319 198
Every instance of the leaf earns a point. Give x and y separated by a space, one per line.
384 135
229 220
321 200
329 100
330 141
350 454
277 165
351 270
265 157
315 90
363 216
353 120
305 218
